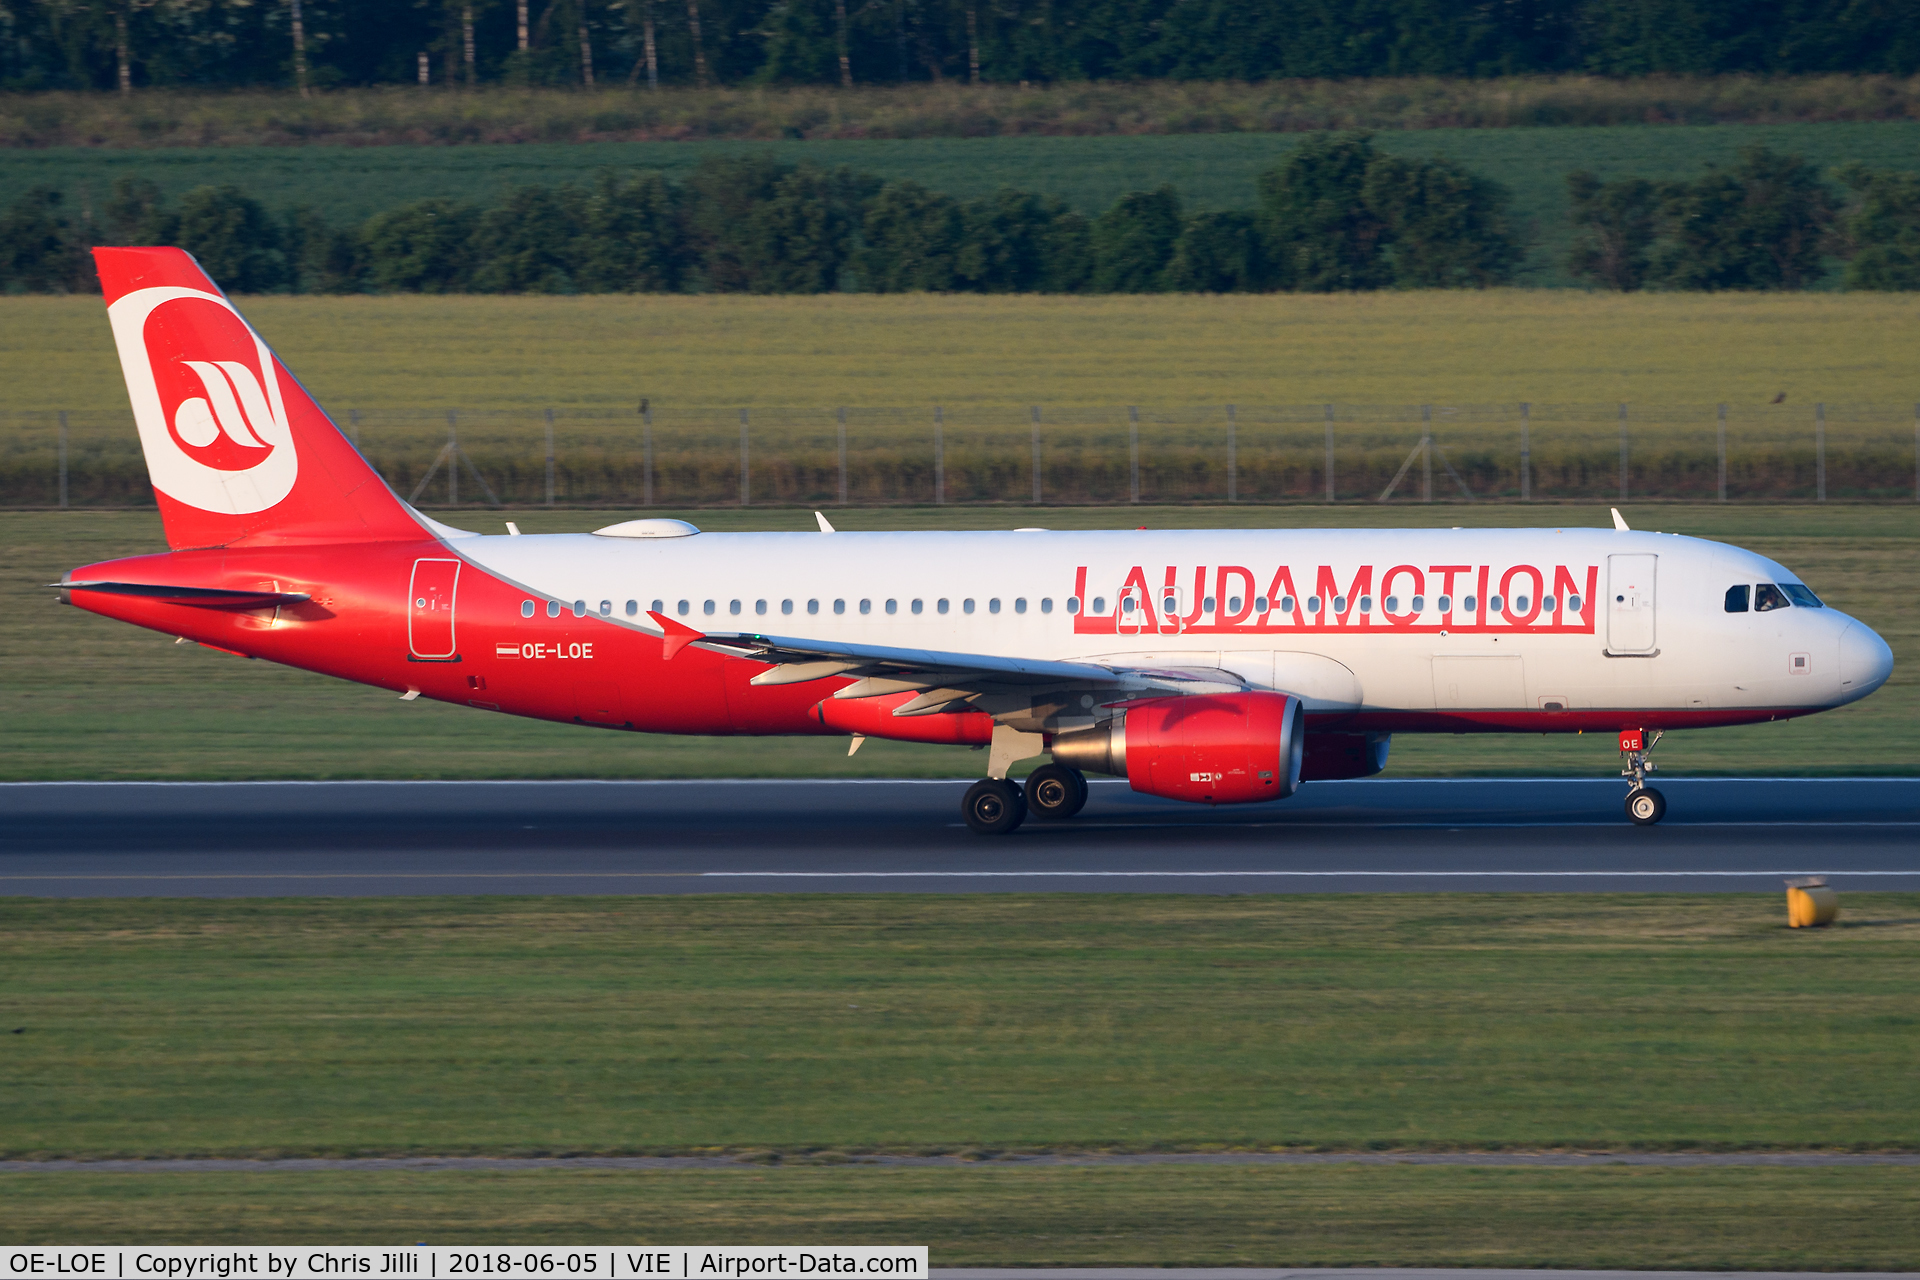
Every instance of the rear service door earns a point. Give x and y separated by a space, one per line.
1630 601
430 610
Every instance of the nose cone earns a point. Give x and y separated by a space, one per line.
1865 661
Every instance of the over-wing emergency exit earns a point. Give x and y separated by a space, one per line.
1218 666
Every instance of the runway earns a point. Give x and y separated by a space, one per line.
385 838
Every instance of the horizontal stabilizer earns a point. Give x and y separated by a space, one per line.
212 597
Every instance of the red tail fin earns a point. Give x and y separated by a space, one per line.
237 450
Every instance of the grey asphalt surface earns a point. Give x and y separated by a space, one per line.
373 838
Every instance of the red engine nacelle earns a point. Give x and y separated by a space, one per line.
1231 748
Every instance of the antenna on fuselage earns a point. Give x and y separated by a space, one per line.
1619 522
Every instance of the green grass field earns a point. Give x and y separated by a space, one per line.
83 697
959 1024
1007 353
1211 170
1639 1219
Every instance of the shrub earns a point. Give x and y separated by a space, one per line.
915 240
1446 228
1220 253
233 238
39 250
527 245
1323 234
1134 241
1616 223
422 247
633 236
1880 233
1760 225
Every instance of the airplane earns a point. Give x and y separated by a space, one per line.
1213 666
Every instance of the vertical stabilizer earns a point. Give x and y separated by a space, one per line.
237 450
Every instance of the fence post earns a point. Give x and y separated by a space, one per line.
1036 455
1133 447
1426 453
453 459
746 491
843 455
1723 453
549 417
63 459
1820 452
1526 452
646 456
1330 454
939 456
1233 478
1623 453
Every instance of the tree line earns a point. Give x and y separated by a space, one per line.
1336 215
1768 222
306 44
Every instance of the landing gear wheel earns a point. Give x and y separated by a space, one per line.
993 807
1054 792
1645 806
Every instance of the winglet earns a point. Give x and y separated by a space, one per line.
678 636
1619 522
824 526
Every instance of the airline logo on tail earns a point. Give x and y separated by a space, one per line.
206 399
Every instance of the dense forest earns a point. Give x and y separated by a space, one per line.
1336 215
304 44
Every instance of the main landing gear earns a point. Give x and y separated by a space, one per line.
995 806
1645 806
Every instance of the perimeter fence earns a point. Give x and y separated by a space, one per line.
704 457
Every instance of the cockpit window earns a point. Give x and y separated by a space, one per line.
1737 598
1801 596
1766 597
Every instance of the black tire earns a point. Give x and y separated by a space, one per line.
993 807
1645 806
1055 792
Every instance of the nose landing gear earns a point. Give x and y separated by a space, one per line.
1645 806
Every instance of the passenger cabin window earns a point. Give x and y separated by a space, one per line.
579 608
526 608
733 607
708 607
1073 604
1046 604
760 606
1767 597
1546 604
1099 604
1020 604
1444 604
918 606
1467 604
993 605
1233 604
813 606
786 606
659 606
1260 604
1573 604
1206 604
943 606
866 606
1313 604
633 608
1493 604
839 606
1419 604
966 606
1801 596
606 608
1737 598
893 606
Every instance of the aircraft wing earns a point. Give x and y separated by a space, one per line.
944 681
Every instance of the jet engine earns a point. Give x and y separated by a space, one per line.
1231 748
